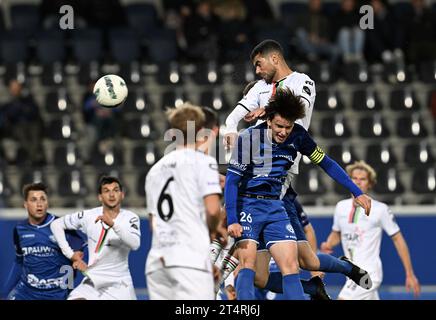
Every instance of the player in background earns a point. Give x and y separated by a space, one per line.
255 213
361 237
183 198
112 233
40 270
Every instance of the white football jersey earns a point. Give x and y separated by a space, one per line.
361 235
175 188
108 247
258 96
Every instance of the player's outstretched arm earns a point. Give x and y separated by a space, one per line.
332 241
412 283
338 174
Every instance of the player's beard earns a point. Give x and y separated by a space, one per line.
268 77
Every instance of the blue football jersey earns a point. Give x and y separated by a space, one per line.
263 164
40 256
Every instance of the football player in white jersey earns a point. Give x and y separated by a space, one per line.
183 198
270 64
361 237
112 232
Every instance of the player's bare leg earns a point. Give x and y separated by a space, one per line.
285 255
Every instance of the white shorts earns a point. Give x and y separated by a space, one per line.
352 291
118 291
180 283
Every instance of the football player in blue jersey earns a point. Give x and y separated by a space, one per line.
40 270
256 174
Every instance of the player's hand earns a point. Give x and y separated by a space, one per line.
255 114
216 274
229 140
106 219
235 230
317 274
326 248
365 202
80 265
412 284
220 234
78 255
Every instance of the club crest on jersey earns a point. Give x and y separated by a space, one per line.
289 228
52 238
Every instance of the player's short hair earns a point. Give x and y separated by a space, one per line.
248 87
179 117
211 118
108 180
36 186
362 165
285 104
266 47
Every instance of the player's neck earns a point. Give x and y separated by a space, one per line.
112 212
282 72
35 221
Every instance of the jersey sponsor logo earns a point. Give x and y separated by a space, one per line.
35 282
80 214
240 166
40 251
264 92
287 157
169 165
134 226
28 235
133 220
307 90
310 83
52 238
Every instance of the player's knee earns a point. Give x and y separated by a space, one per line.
260 279
310 263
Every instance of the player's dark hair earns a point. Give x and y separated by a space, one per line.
36 186
211 118
266 47
108 180
248 87
285 104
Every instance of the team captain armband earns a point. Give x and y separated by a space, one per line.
317 155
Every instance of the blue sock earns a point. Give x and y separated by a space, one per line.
308 287
275 282
245 284
328 263
292 288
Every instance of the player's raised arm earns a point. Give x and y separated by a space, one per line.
334 170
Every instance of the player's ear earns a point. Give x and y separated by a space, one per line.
100 197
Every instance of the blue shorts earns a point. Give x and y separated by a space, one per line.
264 221
288 202
24 292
